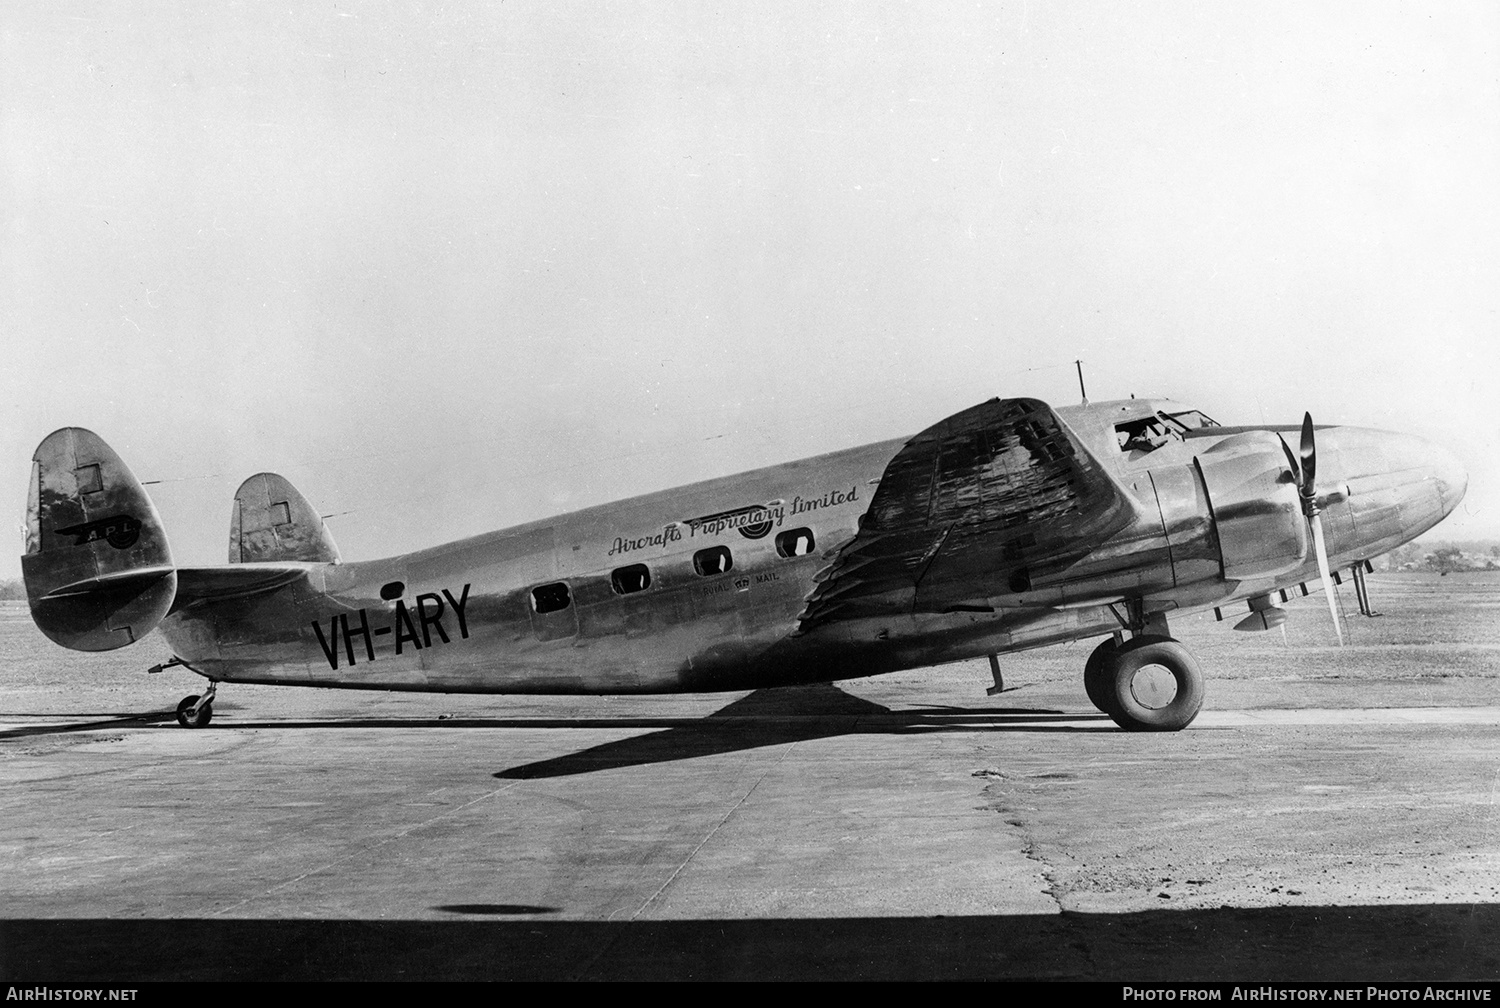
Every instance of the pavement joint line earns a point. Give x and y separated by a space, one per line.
1049 884
369 847
710 835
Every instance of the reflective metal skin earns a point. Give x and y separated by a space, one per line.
1005 527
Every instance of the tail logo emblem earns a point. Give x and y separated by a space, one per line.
120 531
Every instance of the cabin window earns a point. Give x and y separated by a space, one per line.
636 577
551 597
715 560
795 542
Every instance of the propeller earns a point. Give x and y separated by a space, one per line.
1306 475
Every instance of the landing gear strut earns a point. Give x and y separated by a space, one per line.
1148 683
195 711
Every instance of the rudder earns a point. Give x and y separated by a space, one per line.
98 570
273 522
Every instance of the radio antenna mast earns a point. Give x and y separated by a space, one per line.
1081 390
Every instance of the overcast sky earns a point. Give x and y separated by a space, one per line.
451 267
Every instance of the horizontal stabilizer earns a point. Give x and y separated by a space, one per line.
213 584
97 566
272 522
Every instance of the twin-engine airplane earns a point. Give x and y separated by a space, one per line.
1005 527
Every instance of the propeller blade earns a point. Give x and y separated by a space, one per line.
1291 462
1316 521
1309 454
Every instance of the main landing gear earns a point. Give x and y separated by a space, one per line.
195 711
1148 683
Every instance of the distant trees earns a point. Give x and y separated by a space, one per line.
1446 558
12 588
1410 554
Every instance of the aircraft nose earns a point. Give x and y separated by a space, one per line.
1399 485
1433 473
1449 477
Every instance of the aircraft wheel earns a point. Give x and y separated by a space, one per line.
187 720
1097 675
1154 684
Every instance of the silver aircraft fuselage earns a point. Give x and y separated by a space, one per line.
639 596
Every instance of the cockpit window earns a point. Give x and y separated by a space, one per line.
1146 435
1192 419
1150 433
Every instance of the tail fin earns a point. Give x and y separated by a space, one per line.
98 570
273 522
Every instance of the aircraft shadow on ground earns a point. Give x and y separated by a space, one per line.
771 717
120 720
766 717
763 718
1425 943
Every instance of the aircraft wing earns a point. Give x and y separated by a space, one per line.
985 503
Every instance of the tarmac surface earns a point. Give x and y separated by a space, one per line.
1330 817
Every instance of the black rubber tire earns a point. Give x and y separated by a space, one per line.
205 713
1096 674
1129 712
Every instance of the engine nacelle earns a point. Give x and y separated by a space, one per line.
1254 505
